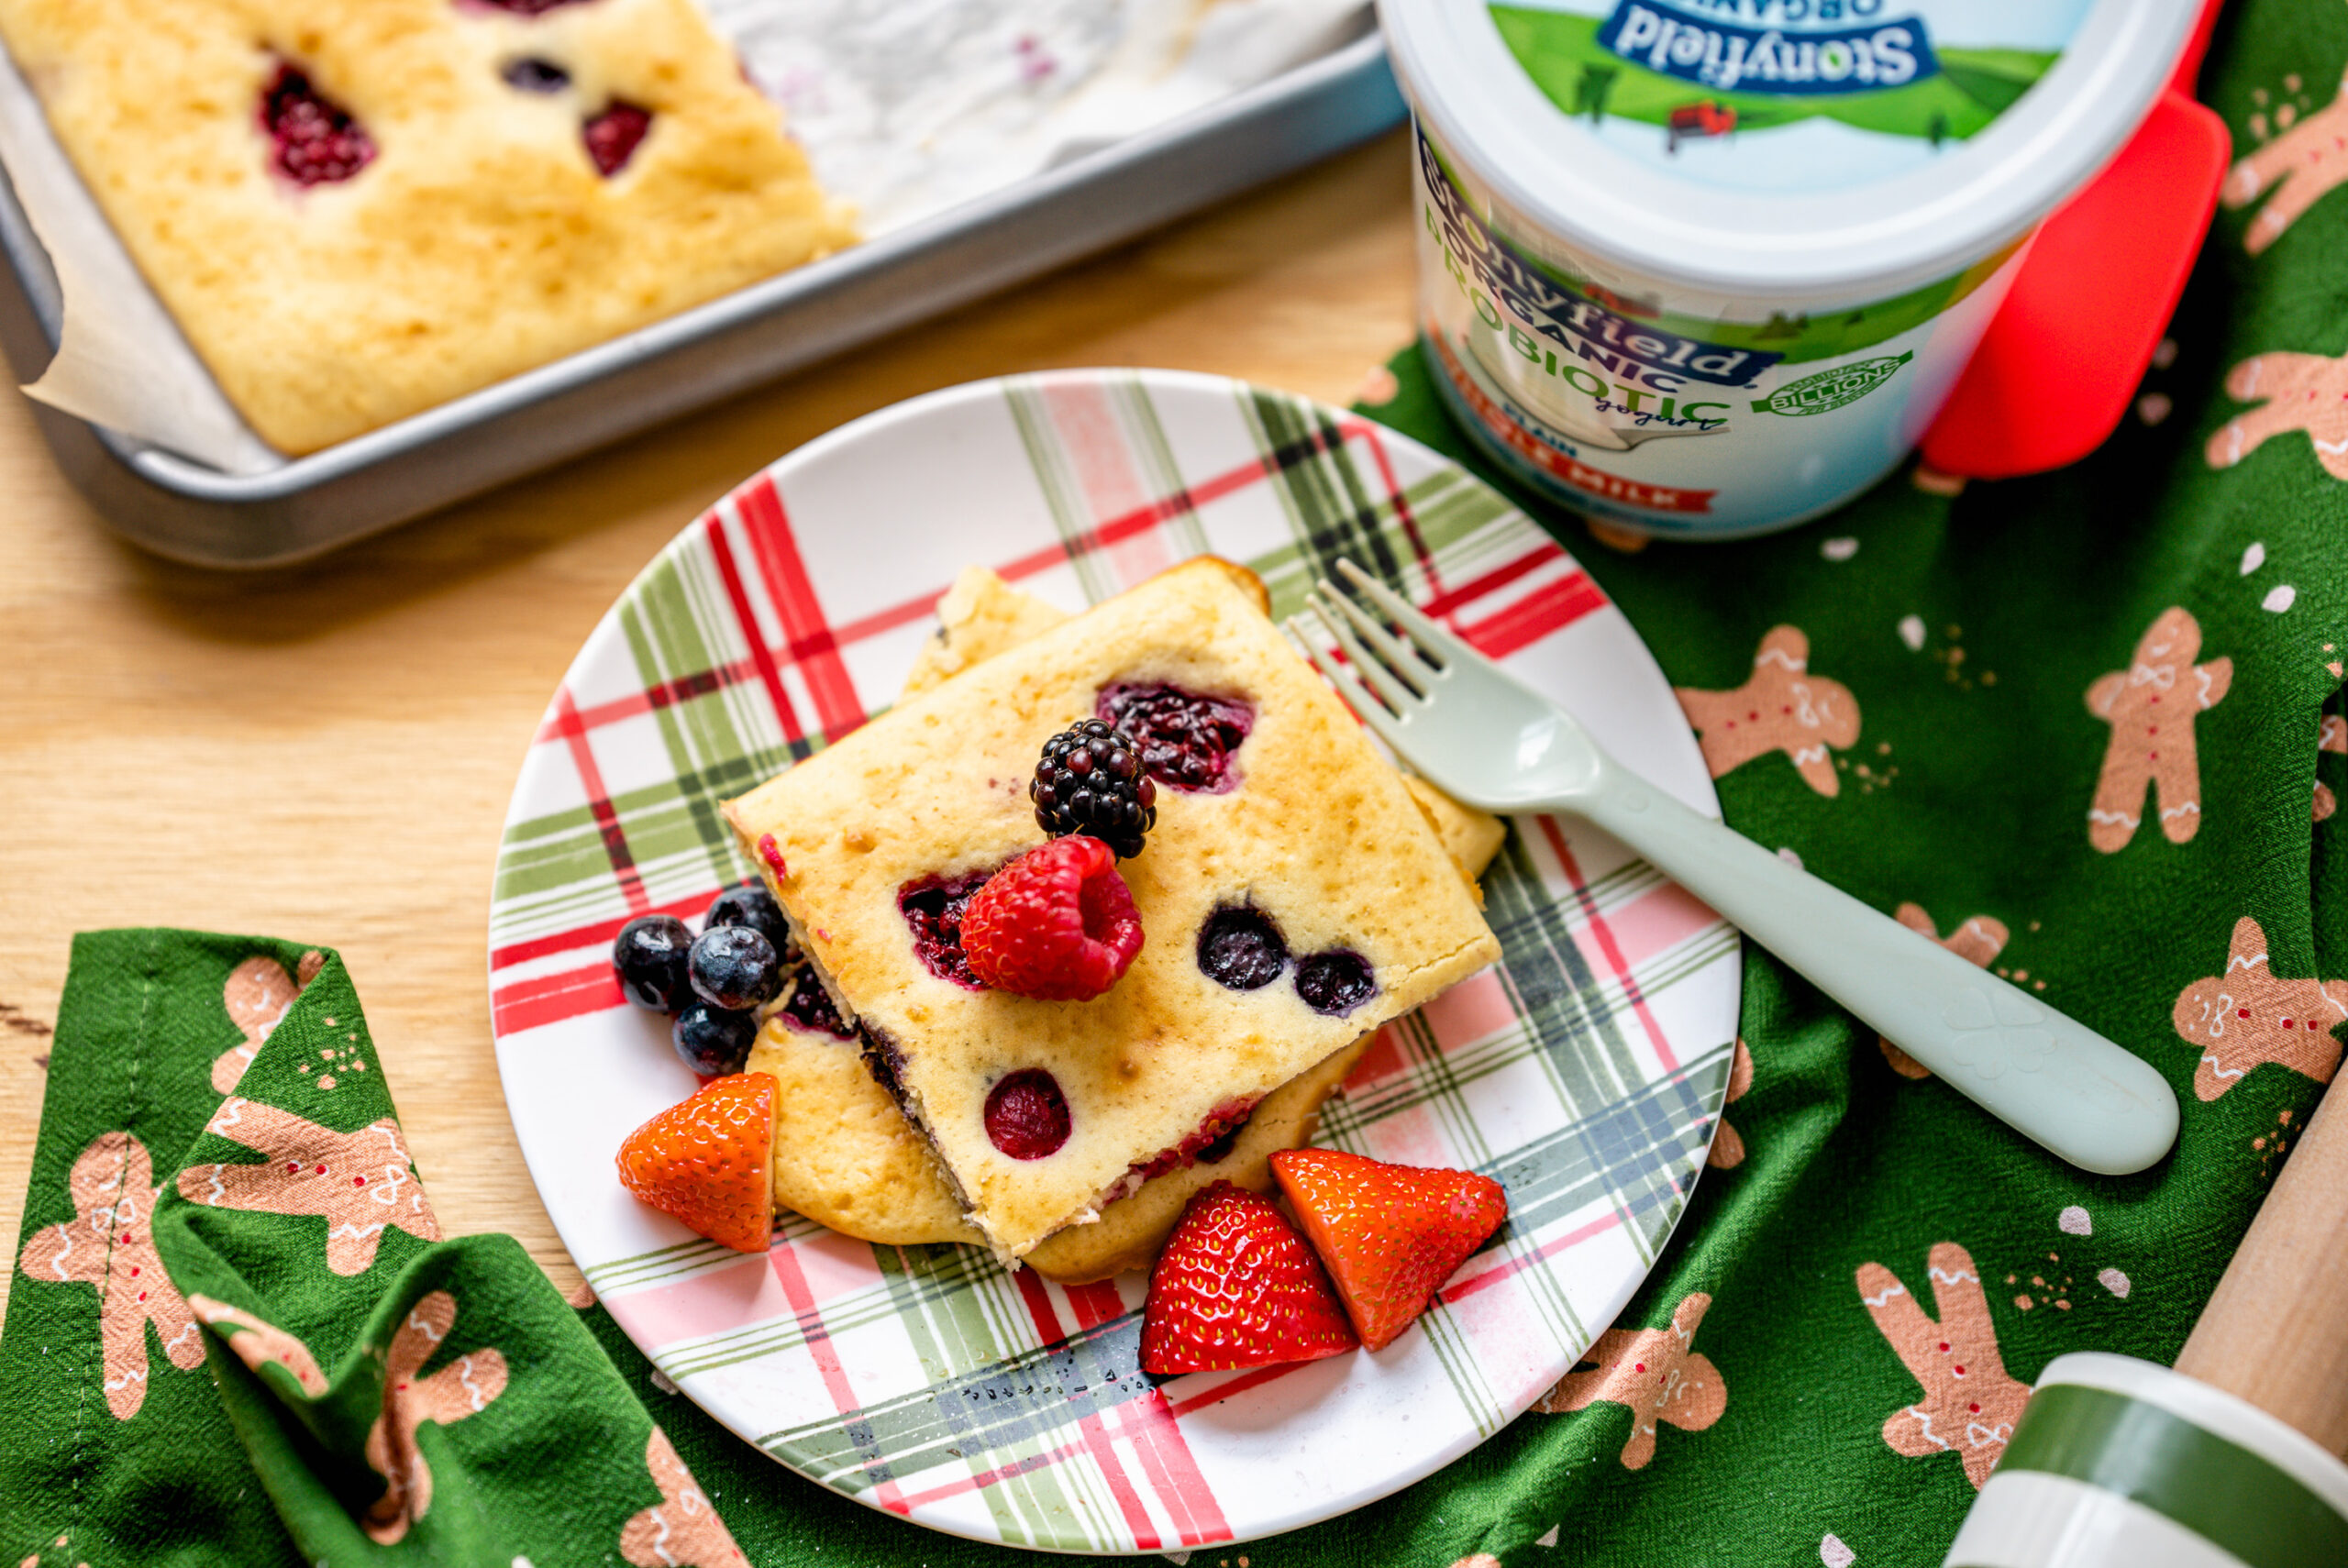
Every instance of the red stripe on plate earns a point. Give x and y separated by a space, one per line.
532 1004
1464 593
1603 935
827 1356
1510 1267
1372 435
721 554
592 933
985 1478
608 821
813 646
1173 1471
1551 607
1237 1386
668 694
1036 1297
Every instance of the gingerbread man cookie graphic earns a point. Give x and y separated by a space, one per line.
359 1181
681 1530
109 1244
2299 166
2250 1016
1977 941
1969 1404
257 996
2150 707
1783 708
1728 1145
461 1388
1653 1372
2293 392
259 1343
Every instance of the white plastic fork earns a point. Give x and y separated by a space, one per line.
1474 730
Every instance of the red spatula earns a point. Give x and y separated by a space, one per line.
2065 352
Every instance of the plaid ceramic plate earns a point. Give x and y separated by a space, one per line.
1586 1073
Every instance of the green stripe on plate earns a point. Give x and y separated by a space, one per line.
2219 1490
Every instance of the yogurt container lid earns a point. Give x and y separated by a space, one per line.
1784 150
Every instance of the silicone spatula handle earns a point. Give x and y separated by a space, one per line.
2047 1076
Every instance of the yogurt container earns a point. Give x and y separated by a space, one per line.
1709 268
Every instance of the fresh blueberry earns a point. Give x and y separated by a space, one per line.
1335 982
1239 948
650 956
735 968
712 1041
750 904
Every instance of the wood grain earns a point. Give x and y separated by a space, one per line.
325 753
2274 1333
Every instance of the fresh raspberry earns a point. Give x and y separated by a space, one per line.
612 137
316 140
1057 924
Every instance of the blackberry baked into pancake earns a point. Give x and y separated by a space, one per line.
1291 895
358 209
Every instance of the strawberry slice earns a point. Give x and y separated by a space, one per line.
1237 1287
1390 1234
706 1161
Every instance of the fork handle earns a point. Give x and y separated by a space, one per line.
2048 1076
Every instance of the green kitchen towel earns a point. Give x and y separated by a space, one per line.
2087 735
235 1334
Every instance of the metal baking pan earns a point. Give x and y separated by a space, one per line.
191 513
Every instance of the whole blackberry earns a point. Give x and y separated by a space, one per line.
1089 782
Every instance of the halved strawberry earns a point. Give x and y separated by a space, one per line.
1390 1234
706 1161
1237 1287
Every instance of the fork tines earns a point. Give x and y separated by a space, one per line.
1394 677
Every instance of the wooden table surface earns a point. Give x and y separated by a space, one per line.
263 753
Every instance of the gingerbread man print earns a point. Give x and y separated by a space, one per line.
1977 941
359 1181
1653 1372
2299 167
2293 392
681 1530
259 1343
461 1388
1969 1403
1783 708
109 1244
1728 1145
2250 1016
2150 707
257 995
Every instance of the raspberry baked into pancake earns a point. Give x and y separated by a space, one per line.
358 209
1292 894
